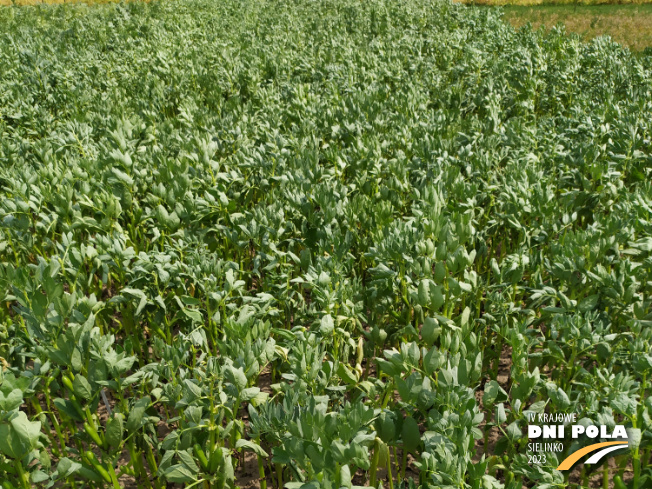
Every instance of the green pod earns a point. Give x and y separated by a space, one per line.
159 332
67 382
618 483
201 456
509 477
98 466
90 430
53 376
360 351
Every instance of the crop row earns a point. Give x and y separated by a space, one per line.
356 243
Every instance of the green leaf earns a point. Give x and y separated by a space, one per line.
436 298
249 393
28 431
493 393
643 244
235 376
558 397
345 477
440 272
624 405
179 474
432 361
19 436
67 467
386 426
76 361
347 374
11 401
11 444
135 419
634 437
501 416
414 354
250 445
513 432
39 476
424 293
588 303
82 388
326 326
311 485
66 407
187 459
115 430
430 331
410 434
464 319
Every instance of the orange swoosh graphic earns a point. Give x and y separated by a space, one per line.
575 456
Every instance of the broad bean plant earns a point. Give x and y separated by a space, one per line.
333 244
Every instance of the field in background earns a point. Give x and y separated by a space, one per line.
630 25
628 22
318 245
23 3
573 3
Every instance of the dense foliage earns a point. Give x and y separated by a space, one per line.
341 235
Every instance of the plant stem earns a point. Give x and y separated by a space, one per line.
389 470
261 471
374 464
398 467
114 477
279 475
22 475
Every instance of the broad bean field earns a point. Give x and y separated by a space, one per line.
319 245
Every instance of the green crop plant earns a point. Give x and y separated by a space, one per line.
331 244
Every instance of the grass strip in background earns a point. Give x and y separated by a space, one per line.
571 3
24 3
630 25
